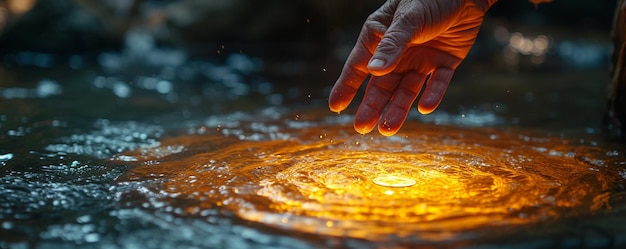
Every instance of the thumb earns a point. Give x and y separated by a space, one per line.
390 48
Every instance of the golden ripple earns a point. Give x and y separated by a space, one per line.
393 181
431 184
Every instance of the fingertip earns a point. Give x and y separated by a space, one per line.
336 106
376 63
426 108
391 122
340 97
390 47
364 120
362 129
379 66
435 90
429 104
387 130
336 109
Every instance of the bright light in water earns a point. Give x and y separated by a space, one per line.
393 181
428 183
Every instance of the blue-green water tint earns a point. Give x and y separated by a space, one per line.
69 136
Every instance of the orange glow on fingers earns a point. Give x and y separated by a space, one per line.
386 130
426 109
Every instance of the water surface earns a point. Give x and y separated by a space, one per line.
192 153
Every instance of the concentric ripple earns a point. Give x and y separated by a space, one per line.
393 181
340 189
432 184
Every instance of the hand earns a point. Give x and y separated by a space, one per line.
402 44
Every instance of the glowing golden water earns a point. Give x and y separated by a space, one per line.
442 182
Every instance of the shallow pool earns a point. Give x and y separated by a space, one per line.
213 154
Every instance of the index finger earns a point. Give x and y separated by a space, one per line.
353 74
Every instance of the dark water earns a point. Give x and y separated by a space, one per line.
172 151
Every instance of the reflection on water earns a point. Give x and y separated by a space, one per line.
319 178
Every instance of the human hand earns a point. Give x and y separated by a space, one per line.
402 44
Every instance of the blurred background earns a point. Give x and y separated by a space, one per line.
534 64
271 29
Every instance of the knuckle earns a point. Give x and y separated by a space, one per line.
375 26
391 43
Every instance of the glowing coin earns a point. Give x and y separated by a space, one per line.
393 181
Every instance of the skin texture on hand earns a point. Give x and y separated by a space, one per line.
402 44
